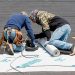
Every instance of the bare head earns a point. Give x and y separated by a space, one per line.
24 13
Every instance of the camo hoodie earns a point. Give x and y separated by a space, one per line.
49 20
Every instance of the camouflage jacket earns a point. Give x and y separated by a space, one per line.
44 18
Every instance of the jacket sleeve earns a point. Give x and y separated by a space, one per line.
48 34
43 34
40 35
29 30
43 17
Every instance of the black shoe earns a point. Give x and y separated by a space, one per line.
31 48
28 43
9 50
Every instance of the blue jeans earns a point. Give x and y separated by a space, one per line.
18 48
11 38
60 36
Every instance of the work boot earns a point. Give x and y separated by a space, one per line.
9 49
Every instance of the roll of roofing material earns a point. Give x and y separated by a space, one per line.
52 50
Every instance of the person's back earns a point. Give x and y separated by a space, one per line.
12 32
20 20
60 27
16 20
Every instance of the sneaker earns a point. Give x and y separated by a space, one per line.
9 50
65 52
73 52
28 43
31 48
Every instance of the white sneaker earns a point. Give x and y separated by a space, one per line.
73 53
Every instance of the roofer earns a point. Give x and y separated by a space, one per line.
51 23
12 34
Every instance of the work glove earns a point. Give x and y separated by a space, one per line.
40 35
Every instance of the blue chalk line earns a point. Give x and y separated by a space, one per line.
28 64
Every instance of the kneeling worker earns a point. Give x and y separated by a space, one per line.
12 34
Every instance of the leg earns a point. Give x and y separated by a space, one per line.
18 48
9 41
60 36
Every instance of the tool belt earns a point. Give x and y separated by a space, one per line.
18 39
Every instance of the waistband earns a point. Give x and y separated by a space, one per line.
12 27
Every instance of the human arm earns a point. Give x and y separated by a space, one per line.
29 30
43 17
43 34
40 35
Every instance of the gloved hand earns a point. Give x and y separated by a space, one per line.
40 35
29 46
